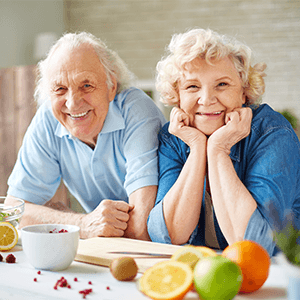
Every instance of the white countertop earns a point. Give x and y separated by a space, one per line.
17 282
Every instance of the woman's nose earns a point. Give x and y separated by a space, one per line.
206 97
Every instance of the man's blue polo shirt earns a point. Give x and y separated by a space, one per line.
124 159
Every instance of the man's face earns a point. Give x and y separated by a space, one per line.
79 94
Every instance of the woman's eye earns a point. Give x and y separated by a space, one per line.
222 84
192 87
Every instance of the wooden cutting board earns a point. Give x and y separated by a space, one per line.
96 251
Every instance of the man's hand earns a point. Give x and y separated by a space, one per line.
180 127
108 219
237 127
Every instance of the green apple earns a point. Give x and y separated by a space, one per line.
217 277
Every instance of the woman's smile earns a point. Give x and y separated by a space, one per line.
210 115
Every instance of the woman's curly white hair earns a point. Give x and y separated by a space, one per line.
209 45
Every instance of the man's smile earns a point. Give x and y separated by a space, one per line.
75 116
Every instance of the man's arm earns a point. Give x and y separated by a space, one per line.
51 212
143 201
108 219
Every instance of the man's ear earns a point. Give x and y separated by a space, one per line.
113 89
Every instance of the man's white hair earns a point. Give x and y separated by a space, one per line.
114 66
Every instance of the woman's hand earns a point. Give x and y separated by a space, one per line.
237 127
179 126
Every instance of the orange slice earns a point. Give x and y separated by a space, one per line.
8 236
189 255
168 280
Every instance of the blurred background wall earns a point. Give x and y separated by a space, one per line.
140 30
21 21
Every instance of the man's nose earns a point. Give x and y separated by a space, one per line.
207 97
73 100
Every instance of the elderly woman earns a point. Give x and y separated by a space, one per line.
222 157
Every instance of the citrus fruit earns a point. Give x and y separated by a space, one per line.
254 262
217 277
206 251
188 255
8 236
168 280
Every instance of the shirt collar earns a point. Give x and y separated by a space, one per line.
114 121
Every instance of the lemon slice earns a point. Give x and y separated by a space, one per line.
167 280
8 236
189 255
206 251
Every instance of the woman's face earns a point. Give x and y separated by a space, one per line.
208 92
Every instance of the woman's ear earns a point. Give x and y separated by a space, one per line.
244 98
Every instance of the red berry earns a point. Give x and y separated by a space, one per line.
85 292
35 279
90 282
10 258
39 272
62 282
108 288
75 279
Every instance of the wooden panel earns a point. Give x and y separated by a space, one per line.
18 107
7 149
25 105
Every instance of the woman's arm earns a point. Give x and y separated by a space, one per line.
233 203
182 203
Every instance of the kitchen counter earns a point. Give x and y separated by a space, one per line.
17 281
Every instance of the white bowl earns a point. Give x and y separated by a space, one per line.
50 251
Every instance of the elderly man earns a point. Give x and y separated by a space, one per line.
97 134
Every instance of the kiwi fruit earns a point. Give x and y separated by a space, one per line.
124 268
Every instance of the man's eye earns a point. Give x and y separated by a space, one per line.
87 86
59 90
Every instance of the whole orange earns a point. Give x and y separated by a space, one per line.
254 262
